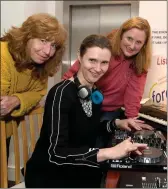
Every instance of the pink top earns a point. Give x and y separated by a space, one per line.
120 85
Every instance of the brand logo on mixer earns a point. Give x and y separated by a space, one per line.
158 91
124 166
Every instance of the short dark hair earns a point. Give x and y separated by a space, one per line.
94 41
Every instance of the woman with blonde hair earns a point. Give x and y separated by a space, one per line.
123 84
29 55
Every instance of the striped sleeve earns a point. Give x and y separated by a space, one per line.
60 152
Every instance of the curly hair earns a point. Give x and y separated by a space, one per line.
42 26
143 58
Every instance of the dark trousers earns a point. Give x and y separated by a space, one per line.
38 176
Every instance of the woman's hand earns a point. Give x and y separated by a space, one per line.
121 150
128 124
8 103
124 148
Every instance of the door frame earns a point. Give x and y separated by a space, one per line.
67 21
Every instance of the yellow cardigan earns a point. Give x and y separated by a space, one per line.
19 84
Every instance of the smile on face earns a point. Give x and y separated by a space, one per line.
94 64
40 50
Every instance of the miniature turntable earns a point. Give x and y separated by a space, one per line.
150 155
152 159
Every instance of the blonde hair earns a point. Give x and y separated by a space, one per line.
42 26
143 58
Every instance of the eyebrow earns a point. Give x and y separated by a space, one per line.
139 41
133 38
105 61
97 60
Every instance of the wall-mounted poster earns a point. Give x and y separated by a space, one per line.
156 84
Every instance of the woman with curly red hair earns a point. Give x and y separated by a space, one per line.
29 55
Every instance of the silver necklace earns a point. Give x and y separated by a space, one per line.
87 107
